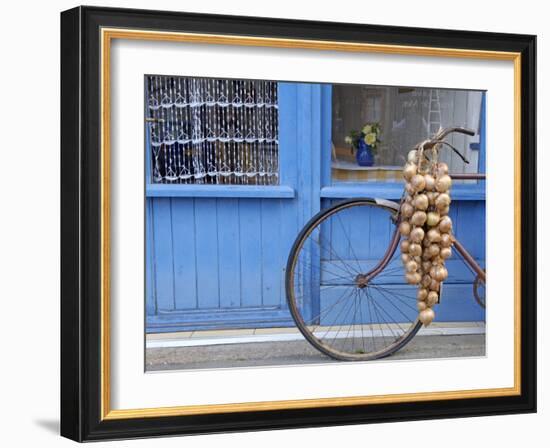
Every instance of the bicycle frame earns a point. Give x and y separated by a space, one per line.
396 235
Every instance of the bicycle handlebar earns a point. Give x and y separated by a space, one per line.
447 131
439 138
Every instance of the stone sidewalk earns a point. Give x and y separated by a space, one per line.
169 352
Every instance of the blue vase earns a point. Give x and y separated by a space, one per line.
364 155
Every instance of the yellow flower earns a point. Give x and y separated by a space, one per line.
367 129
370 139
348 140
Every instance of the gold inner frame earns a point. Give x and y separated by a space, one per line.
107 35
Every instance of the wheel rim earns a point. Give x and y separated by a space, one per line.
479 291
339 305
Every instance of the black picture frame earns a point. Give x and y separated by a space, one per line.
81 210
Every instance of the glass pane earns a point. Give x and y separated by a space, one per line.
405 116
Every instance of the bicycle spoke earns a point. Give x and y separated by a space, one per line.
324 270
333 251
349 243
393 291
378 316
396 307
335 320
354 319
342 270
397 297
387 313
371 320
353 305
344 320
326 310
378 309
361 323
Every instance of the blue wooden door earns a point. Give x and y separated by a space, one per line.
216 254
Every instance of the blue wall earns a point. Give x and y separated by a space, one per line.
216 254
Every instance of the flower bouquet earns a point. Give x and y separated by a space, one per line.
364 143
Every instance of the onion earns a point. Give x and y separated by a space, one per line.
418 218
432 195
421 202
432 219
445 225
434 235
442 201
416 234
429 181
418 182
445 252
415 249
426 266
432 298
432 250
409 188
446 240
434 286
413 278
444 210
426 316
422 294
443 183
407 210
404 228
409 171
421 306
405 246
411 266
426 280
440 273
411 156
441 169
405 258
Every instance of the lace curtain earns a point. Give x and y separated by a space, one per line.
212 131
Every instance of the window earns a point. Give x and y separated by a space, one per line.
406 115
212 131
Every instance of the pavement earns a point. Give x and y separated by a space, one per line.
276 347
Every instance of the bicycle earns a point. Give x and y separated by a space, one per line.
346 304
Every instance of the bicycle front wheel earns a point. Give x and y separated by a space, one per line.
345 283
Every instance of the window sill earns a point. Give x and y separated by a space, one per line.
220 191
391 190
